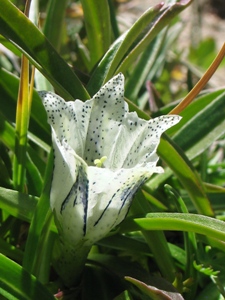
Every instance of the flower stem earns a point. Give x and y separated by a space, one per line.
70 262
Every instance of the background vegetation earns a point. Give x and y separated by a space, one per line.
172 243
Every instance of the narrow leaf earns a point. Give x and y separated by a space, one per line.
186 173
17 283
98 28
39 51
178 221
160 22
117 51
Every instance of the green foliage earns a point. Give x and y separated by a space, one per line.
175 226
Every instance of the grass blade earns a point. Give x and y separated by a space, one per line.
39 51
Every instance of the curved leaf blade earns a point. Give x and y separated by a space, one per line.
160 22
179 222
17 283
39 51
19 205
126 48
185 172
197 134
98 28
107 66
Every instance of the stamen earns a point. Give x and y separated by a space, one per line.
100 162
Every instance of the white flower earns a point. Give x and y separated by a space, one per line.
102 155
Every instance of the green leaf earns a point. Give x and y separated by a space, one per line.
123 243
179 222
210 291
160 22
55 15
127 48
150 65
34 181
156 240
114 23
7 133
9 85
196 135
203 135
98 28
21 128
10 251
9 46
144 65
34 163
107 66
40 221
17 283
190 243
39 51
18 204
183 169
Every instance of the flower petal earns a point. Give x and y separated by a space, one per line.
88 126
110 195
67 119
108 112
69 191
89 201
138 140
103 126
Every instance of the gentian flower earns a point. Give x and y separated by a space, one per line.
102 155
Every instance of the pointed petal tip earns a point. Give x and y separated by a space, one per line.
119 77
173 118
176 117
45 95
42 94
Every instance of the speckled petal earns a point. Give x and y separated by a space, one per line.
67 120
108 112
138 140
88 126
69 191
103 126
89 199
110 196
